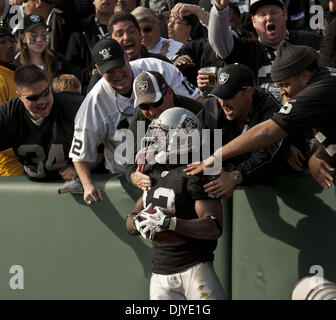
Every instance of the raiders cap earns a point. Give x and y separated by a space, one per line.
31 21
231 79
149 87
256 4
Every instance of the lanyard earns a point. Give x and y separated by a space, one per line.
101 34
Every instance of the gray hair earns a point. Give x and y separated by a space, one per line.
145 14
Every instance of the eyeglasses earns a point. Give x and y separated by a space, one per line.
147 29
36 97
154 105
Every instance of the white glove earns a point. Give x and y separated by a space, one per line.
156 222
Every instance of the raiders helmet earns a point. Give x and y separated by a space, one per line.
177 132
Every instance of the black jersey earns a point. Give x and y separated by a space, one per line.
41 149
176 192
313 109
260 58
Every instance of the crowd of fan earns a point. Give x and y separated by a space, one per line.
65 40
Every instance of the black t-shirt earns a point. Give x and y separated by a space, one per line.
41 149
314 108
176 192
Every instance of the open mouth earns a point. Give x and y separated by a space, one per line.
270 27
129 46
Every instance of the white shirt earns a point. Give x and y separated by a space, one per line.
103 110
167 47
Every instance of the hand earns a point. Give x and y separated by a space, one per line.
68 173
184 62
319 170
141 180
221 4
15 2
92 194
222 187
183 9
295 157
332 5
198 167
202 80
153 223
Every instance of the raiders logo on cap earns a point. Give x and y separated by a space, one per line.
35 18
106 53
223 77
143 86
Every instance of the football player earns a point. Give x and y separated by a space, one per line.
38 125
179 217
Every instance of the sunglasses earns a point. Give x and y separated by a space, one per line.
37 96
147 29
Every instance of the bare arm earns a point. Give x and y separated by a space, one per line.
220 35
259 136
91 193
203 227
129 220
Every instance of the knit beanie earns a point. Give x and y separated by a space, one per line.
291 60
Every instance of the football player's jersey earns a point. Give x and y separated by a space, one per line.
174 191
41 149
104 115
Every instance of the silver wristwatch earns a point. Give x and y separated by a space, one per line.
238 177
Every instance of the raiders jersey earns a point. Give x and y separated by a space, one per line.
41 149
104 116
174 191
314 108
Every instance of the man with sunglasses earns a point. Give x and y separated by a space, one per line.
151 38
153 95
38 125
106 112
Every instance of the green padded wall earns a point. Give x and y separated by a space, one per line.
69 250
279 233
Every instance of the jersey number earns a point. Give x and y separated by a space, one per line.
55 159
78 144
163 198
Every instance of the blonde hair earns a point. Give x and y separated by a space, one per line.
47 57
67 82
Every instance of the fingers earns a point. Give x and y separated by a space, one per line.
191 167
141 180
92 196
184 61
202 79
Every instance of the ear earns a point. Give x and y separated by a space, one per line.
253 21
38 3
98 70
306 76
285 13
19 95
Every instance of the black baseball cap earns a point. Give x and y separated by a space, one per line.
30 21
107 54
231 79
5 32
256 4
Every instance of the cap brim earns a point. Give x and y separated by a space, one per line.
223 93
146 99
111 64
33 26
